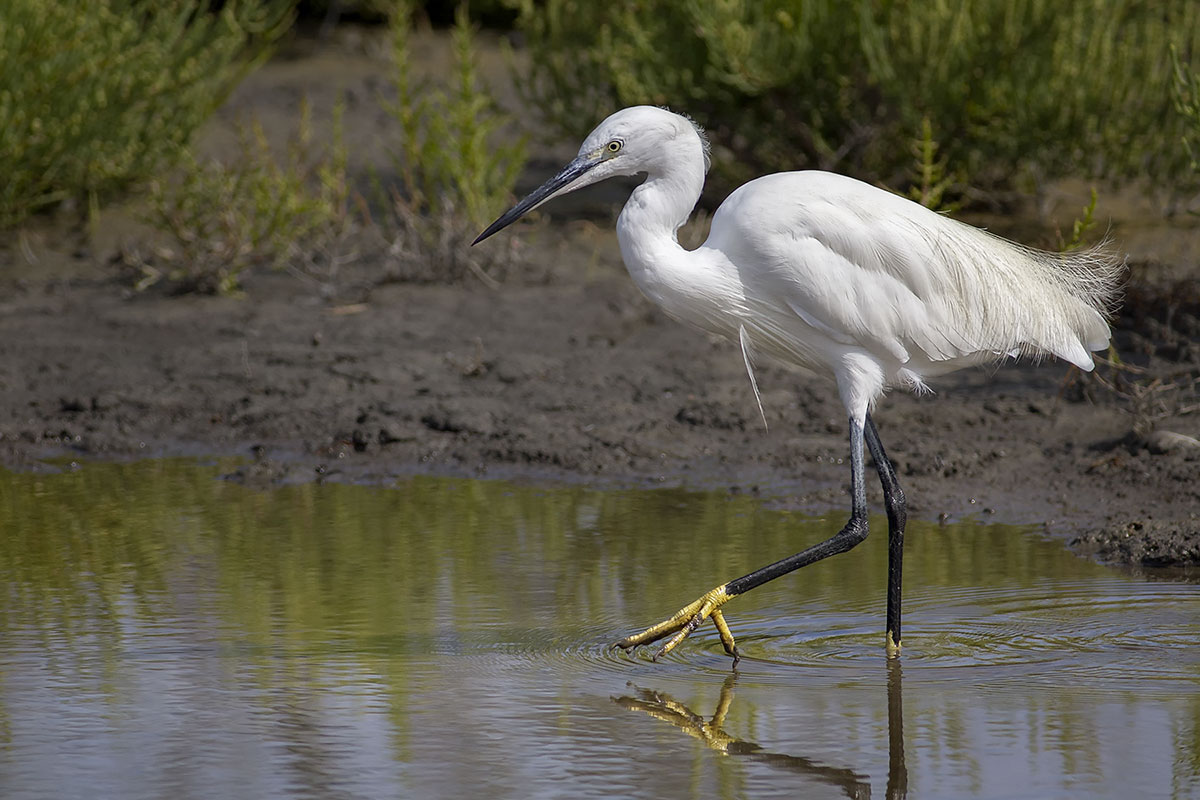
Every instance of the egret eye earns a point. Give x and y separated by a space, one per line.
614 145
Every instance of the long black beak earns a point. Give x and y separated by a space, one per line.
539 195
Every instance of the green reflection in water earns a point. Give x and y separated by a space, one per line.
308 624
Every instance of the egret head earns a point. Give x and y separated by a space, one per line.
633 140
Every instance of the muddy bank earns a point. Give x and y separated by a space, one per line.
579 379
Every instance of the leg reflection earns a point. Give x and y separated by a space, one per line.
711 732
897 784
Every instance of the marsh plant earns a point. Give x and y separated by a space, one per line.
931 180
1185 93
455 162
257 209
1017 91
96 96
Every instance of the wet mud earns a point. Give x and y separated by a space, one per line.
579 380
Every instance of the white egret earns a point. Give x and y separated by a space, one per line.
840 277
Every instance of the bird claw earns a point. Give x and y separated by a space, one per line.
683 622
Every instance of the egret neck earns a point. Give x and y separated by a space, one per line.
648 225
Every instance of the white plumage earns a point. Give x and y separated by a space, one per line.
838 276
846 279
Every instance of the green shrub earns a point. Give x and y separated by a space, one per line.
257 210
456 164
1185 92
929 177
97 94
1014 89
1080 227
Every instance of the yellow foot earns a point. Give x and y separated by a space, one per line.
686 620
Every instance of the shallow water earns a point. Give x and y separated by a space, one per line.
168 634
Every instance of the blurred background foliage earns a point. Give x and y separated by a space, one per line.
952 103
1015 91
455 158
221 217
96 95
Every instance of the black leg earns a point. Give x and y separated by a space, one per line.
707 606
893 500
854 531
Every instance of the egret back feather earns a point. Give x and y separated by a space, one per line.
866 268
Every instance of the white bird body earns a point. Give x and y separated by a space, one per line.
849 280
838 276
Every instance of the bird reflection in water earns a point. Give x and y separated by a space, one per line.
712 732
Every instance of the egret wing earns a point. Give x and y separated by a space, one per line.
844 266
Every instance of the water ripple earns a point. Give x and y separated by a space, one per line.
1052 634
1063 634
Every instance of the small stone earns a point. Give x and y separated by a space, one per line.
1161 442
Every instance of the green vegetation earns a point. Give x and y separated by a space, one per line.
95 96
1185 92
930 177
298 209
456 164
944 101
258 209
1080 226
1016 90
